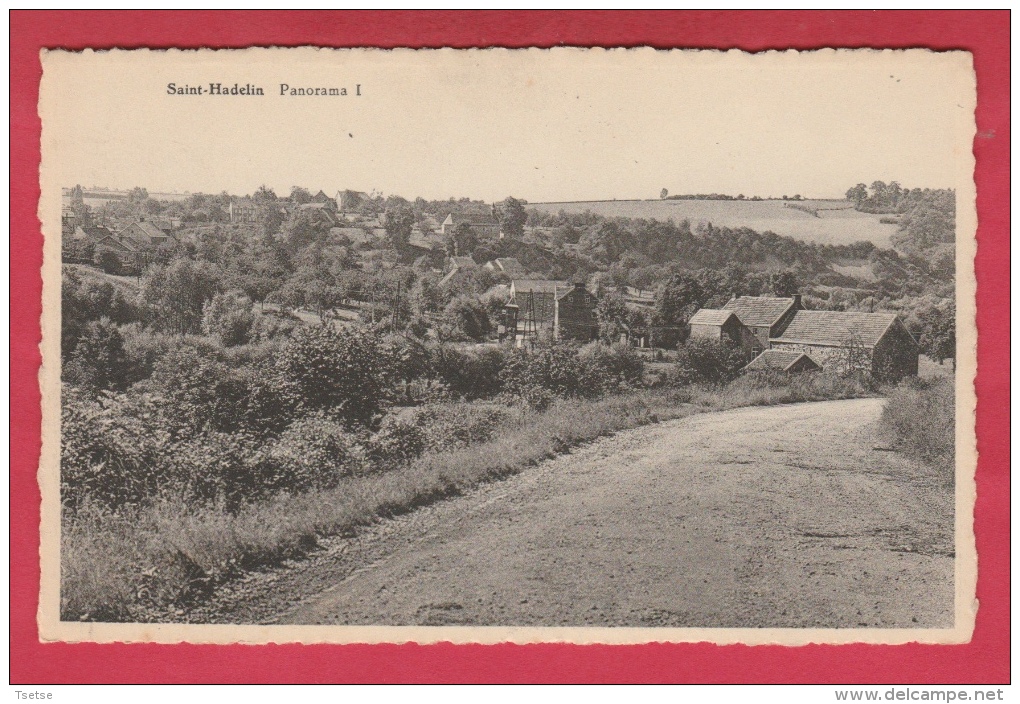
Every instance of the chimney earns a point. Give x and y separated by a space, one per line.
797 305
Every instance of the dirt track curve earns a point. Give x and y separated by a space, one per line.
790 516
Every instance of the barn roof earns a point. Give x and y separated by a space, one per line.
759 310
833 328
777 360
711 316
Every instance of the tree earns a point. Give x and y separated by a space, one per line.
663 193
98 361
857 195
613 317
230 317
176 294
938 331
783 284
137 195
462 241
337 370
300 195
851 358
467 319
512 217
398 223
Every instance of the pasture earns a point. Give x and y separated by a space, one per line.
835 223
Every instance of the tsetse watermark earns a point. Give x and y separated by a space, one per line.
26 694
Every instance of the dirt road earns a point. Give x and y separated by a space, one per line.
789 516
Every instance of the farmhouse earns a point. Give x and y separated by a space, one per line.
876 342
764 326
144 235
764 316
724 325
552 309
483 225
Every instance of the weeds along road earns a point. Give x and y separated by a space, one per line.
787 516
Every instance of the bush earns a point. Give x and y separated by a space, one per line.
609 369
230 317
109 450
98 361
452 425
700 360
339 370
922 413
468 374
397 441
315 452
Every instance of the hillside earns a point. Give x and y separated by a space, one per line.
835 224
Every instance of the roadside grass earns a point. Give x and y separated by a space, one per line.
922 415
150 563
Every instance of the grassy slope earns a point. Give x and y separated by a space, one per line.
131 567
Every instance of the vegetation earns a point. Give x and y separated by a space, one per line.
921 413
260 385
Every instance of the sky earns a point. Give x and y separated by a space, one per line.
554 125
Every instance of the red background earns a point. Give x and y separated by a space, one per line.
985 659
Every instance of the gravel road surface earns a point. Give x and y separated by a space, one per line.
787 516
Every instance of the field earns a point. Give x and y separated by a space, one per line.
832 226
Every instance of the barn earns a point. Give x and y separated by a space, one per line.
875 342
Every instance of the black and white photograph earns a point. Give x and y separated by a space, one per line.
569 345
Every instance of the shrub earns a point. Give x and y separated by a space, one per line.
338 370
921 412
98 361
452 425
609 369
315 452
230 317
700 360
398 440
109 450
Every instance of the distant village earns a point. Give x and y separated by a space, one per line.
774 333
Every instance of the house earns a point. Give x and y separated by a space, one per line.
347 201
326 211
876 342
483 225
509 266
764 316
91 233
786 361
144 235
552 310
457 265
322 199
243 210
722 325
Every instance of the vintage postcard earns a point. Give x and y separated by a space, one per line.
482 346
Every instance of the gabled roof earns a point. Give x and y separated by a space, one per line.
834 328
711 316
510 266
759 310
462 263
564 291
777 360
147 229
537 285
